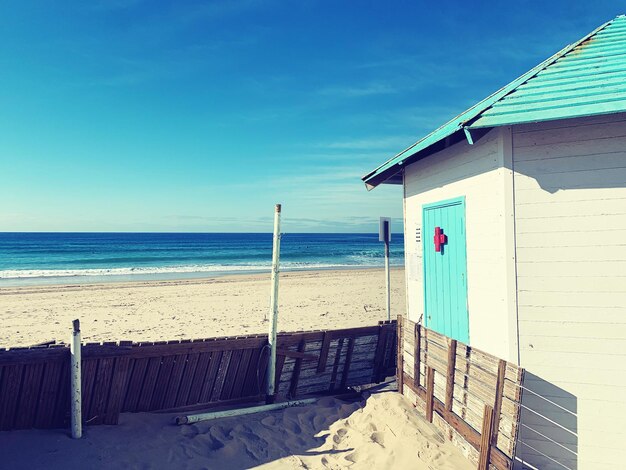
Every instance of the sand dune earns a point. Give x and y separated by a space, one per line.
200 308
382 432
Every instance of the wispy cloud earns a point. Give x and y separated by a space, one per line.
360 91
382 142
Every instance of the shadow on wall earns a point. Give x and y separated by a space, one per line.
548 433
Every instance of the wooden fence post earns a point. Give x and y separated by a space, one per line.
416 355
450 374
295 375
430 393
381 349
497 406
400 361
485 439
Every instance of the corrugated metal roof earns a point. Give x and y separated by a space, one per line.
583 79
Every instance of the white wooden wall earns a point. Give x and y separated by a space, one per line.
478 173
570 225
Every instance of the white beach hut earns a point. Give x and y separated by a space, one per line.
515 242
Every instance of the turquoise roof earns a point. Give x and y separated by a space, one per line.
583 79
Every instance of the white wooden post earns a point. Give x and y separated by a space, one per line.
76 407
271 369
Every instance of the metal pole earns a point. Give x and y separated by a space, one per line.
76 419
189 419
271 369
387 283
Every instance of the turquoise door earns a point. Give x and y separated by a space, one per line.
445 268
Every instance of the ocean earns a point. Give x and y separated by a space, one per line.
68 258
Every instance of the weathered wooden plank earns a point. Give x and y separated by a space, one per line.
198 381
484 361
280 363
440 365
416 354
221 376
160 385
490 375
512 390
470 403
287 370
262 372
231 374
476 389
174 383
379 356
497 406
29 395
242 373
434 349
321 366
100 391
135 382
333 378
48 395
224 344
471 413
485 439
430 393
295 376
62 406
400 359
516 416
347 364
26 355
119 381
450 374
436 339
391 356
253 381
479 375
186 380
147 389
88 371
206 375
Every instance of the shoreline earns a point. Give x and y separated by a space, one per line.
227 305
88 280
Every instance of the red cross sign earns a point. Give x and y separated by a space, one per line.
440 239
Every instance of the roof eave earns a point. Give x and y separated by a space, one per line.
376 178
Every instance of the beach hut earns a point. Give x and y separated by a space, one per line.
515 243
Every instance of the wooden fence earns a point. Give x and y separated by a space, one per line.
473 396
132 377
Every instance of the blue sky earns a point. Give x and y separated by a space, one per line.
130 115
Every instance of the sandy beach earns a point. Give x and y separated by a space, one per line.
198 308
383 431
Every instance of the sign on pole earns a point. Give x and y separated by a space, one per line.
384 229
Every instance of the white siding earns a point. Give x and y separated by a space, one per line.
478 173
570 223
